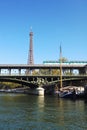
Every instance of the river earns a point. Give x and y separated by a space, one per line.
30 112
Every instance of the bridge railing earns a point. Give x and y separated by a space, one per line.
36 75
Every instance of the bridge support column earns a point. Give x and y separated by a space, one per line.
28 72
51 79
71 71
50 71
19 71
9 71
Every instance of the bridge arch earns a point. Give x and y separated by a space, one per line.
19 81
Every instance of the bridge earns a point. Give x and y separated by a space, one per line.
22 73
23 68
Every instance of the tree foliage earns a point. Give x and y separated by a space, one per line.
63 59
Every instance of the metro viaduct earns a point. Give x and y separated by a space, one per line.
81 68
21 77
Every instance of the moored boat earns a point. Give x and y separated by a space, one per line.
67 93
72 92
64 92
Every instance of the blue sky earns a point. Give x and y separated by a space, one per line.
53 22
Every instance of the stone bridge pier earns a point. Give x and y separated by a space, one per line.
37 91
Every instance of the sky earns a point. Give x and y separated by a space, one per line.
53 22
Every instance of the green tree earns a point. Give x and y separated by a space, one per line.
63 59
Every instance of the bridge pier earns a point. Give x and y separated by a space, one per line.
40 91
37 91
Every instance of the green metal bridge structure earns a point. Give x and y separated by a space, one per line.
22 73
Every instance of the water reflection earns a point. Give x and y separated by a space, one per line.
18 111
40 101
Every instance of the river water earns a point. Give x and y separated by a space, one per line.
30 112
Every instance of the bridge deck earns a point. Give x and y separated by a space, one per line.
38 66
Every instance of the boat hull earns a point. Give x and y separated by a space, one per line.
70 95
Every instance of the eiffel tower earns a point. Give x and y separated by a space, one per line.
30 53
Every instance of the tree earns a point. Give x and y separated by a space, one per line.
63 59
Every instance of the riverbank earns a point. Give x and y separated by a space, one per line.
15 90
26 90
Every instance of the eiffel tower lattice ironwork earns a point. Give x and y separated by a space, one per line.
30 53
